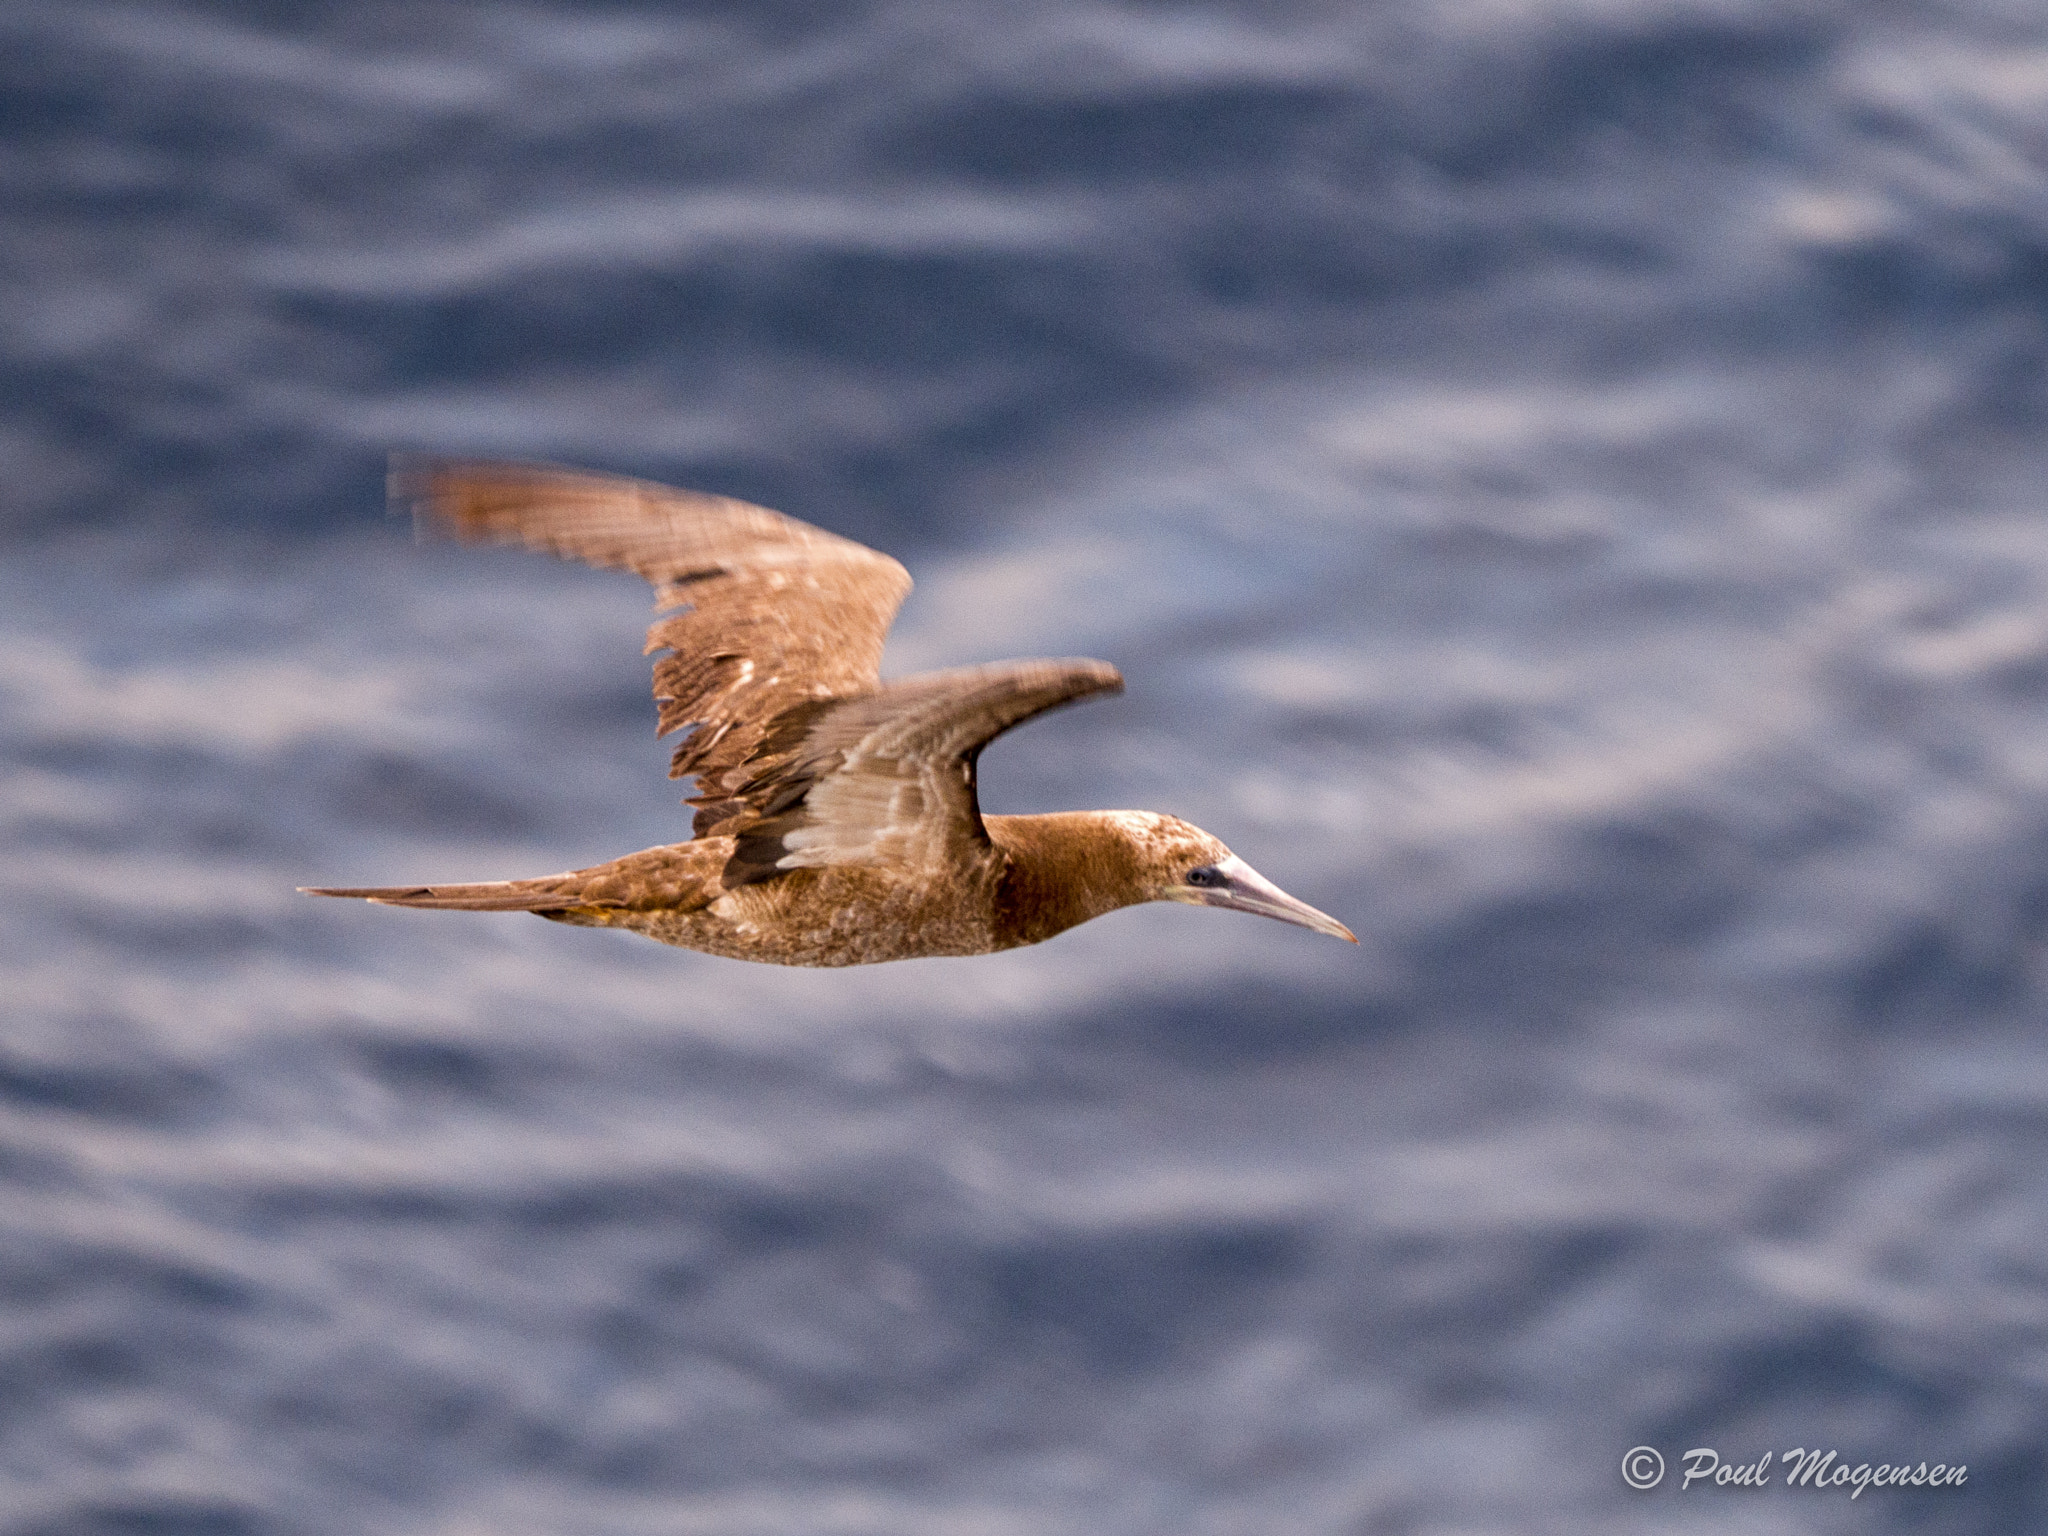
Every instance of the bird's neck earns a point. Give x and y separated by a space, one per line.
1061 870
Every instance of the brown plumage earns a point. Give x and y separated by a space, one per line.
837 822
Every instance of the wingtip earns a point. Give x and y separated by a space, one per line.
417 485
409 492
1108 677
452 495
426 487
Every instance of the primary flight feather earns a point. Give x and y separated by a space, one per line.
836 821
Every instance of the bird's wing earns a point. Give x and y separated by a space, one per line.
889 778
776 620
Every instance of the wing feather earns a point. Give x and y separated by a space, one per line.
889 778
762 616
771 637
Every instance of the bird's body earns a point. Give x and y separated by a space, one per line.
1039 876
837 819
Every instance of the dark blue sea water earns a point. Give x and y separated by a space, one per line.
1565 482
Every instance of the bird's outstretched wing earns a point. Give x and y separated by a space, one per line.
776 616
800 752
888 779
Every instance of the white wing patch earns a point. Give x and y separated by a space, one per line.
872 811
887 778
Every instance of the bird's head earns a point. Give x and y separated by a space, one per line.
1183 863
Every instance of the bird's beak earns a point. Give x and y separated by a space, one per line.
1247 890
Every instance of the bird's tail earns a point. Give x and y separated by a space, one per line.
679 878
552 893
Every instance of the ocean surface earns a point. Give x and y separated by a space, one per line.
1565 482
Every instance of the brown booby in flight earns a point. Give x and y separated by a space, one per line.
836 815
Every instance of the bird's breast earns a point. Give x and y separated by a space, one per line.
839 915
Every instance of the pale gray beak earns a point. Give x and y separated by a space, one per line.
1244 889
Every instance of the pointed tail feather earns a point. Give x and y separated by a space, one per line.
491 896
678 878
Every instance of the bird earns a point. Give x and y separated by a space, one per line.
836 815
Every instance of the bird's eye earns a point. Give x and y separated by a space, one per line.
1206 875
